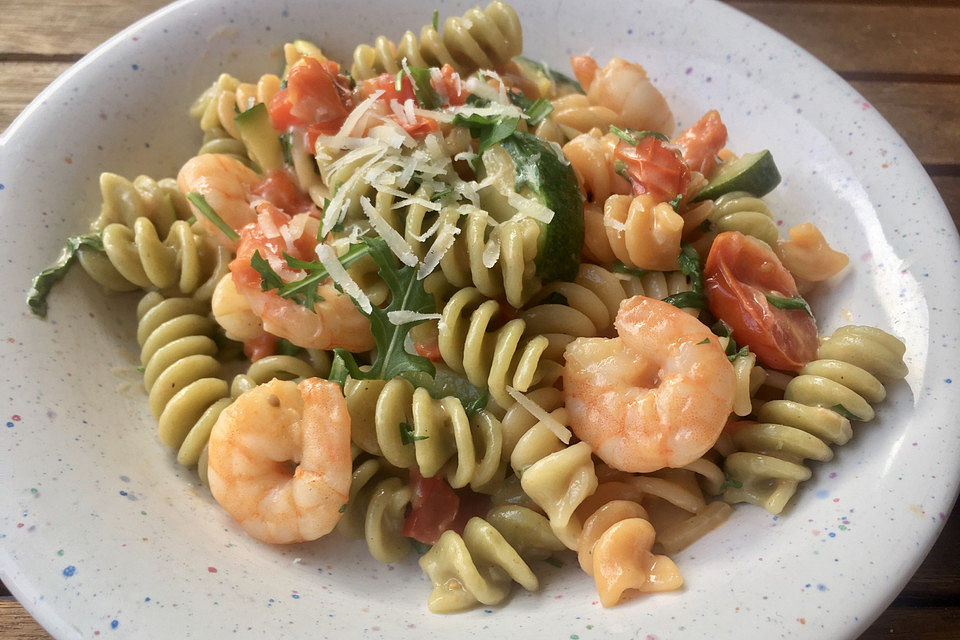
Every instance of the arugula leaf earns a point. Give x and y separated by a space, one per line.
407 436
796 302
704 341
620 168
446 383
624 135
846 413
204 208
687 300
303 291
554 562
477 405
407 294
41 285
535 110
488 130
676 201
427 97
286 348
722 329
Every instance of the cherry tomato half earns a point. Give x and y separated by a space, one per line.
653 168
434 508
739 275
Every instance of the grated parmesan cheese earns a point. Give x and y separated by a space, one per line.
265 222
444 240
400 247
340 276
538 412
404 316
527 208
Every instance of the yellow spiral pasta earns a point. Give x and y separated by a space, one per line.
492 357
408 428
480 39
642 232
135 257
815 412
219 104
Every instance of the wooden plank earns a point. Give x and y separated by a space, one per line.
21 82
927 115
906 623
867 37
949 187
69 27
16 623
938 578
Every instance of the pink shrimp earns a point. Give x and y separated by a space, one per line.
334 322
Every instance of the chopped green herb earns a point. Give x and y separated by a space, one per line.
440 195
633 137
729 482
286 143
477 405
624 135
722 329
556 298
742 353
303 291
796 302
191 220
427 97
41 285
687 300
406 294
535 110
620 168
619 267
418 546
488 130
846 413
704 341
436 20
676 201
407 435
201 204
343 507
283 84
141 368
554 562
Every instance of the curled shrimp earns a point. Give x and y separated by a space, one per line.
658 395
334 322
225 183
251 449
232 311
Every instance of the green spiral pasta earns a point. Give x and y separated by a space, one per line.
376 510
125 201
476 567
135 257
409 428
492 357
741 211
815 412
480 39
182 374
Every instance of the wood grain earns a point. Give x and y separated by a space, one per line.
904 38
21 82
16 623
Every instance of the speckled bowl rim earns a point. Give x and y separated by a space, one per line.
18 578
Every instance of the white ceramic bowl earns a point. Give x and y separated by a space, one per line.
101 532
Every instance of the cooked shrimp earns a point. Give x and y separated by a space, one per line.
656 396
232 311
225 183
334 321
254 445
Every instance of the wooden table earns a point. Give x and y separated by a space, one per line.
903 56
